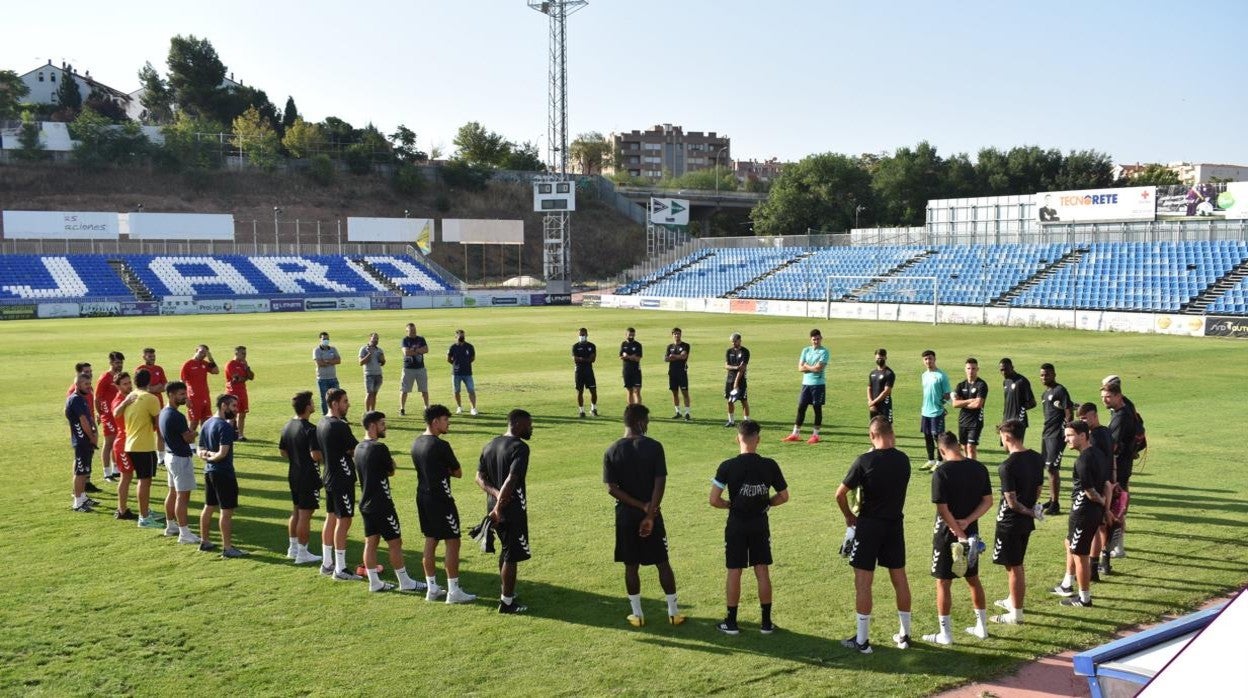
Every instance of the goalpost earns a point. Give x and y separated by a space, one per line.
841 286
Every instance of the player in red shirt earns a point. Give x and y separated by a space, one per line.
105 391
123 386
195 374
237 373
159 380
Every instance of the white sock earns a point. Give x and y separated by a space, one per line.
946 626
301 549
981 617
374 579
593 405
686 410
340 560
1085 595
327 553
1018 614
864 625
508 600
432 582
671 605
797 430
904 617
730 418
1068 581
79 499
581 410
452 583
294 542
405 582
815 431
634 601
184 531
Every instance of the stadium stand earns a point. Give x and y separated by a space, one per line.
1234 301
48 277
968 274
722 271
806 279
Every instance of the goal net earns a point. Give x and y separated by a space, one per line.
897 290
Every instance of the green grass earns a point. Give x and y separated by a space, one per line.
94 606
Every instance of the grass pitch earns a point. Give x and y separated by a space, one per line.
95 606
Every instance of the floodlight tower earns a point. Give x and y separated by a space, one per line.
556 261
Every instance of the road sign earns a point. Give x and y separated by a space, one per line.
669 211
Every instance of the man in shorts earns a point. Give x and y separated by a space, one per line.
299 447
337 445
461 356
372 358
812 364
936 392
969 397
634 469
121 461
736 386
1021 475
880 388
584 354
1124 428
381 520
501 474
436 464
962 493
80 368
749 480
159 380
414 373
140 410
1090 492
677 358
1102 440
195 374
216 447
326 358
630 358
237 373
877 533
84 439
179 468
1058 410
105 391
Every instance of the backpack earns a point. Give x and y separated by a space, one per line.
1141 438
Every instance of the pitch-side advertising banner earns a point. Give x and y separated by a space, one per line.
1090 205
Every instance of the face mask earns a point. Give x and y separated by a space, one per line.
325 342
881 362
582 339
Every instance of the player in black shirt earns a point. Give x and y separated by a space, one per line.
880 388
337 443
436 464
677 358
302 452
501 472
634 470
878 531
749 479
736 362
381 521
1022 476
1124 427
584 354
962 494
630 357
1103 441
1058 409
1016 393
969 397
1090 493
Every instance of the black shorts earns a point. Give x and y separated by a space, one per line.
438 519
1082 526
812 395
1051 448
741 390
1124 474
934 426
970 435
221 490
885 412
83 453
678 380
632 377
631 548
340 499
747 542
1010 545
880 541
383 523
144 464
513 536
305 490
942 555
585 378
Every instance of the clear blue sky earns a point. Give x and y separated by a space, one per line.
1142 81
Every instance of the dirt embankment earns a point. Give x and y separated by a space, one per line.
603 242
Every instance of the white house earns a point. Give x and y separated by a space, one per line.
45 80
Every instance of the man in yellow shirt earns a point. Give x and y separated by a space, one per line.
140 410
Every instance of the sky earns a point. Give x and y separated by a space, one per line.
1146 81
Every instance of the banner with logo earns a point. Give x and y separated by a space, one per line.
132 308
99 308
24 311
1204 200
60 225
1217 326
382 301
286 305
51 310
1091 205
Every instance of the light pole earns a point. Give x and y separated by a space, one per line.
276 243
857 210
718 155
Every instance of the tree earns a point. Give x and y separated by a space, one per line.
12 90
192 143
100 143
590 153
30 148
404 141
903 183
105 106
339 132
1153 174
478 146
233 103
157 98
523 158
820 192
290 114
303 139
195 75
68 94
1085 169
255 138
